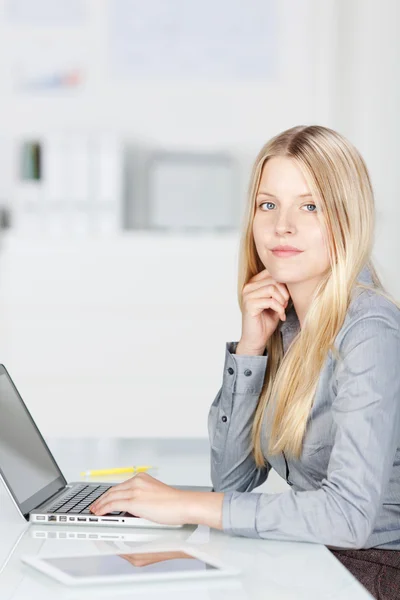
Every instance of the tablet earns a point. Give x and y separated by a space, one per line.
147 565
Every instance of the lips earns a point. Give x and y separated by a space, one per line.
285 253
286 248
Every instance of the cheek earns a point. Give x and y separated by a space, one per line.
317 238
317 243
313 228
263 228
259 234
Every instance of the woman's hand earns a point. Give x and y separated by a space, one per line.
264 303
144 496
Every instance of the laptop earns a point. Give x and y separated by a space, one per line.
35 482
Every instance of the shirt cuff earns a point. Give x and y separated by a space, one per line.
239 511
243 374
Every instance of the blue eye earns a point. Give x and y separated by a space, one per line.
262 203
272 204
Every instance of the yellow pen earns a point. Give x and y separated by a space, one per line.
97 472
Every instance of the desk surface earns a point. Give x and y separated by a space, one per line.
271 569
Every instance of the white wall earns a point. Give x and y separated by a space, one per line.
119 337
366 110
126 335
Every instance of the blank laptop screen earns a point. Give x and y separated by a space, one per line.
26 464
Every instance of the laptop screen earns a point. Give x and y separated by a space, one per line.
26 464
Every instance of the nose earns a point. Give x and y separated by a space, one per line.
284 222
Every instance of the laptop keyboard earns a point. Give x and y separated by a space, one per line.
77 502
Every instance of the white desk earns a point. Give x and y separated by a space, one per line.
271 569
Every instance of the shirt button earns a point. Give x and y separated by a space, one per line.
224 419
231 371
247 372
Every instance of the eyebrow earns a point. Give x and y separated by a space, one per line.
308 195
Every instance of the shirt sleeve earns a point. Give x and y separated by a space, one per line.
366 411
230 422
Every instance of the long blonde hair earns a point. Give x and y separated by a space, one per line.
338 178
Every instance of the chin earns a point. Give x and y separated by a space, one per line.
286 275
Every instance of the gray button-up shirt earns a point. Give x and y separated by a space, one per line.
345 488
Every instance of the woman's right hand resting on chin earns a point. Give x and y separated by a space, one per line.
264 303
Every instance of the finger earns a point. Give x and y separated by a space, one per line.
101 498
266 291
100 502
109 498
260 275
125 485
265 274
264 294
123 503
263 304
283 289
280 289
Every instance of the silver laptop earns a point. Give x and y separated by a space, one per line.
35 482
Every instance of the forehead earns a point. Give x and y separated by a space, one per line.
281 176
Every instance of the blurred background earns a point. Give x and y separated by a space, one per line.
127 134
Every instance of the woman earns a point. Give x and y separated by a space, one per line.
312 387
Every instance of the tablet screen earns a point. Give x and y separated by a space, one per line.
130 564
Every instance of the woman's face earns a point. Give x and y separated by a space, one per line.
286 214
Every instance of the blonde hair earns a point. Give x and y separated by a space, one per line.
337 176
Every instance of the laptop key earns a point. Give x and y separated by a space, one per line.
92 498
